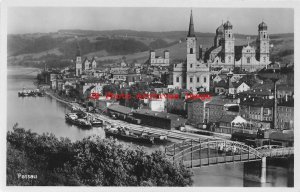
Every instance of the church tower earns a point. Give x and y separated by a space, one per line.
263 54
78 62
191 46
228 44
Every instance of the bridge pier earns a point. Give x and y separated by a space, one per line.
263 178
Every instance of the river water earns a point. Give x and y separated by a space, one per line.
44 114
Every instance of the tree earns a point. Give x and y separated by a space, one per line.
92 161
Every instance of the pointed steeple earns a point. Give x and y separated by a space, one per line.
191 27
78 54
78 50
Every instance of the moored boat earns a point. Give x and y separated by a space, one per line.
83 123
126 134
96 123
76 119
71 117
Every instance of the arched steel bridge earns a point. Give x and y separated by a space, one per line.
193 153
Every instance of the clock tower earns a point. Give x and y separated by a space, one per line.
191 46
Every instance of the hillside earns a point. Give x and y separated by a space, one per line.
109 46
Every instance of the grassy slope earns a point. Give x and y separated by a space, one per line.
178 51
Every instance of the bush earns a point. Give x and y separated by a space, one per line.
92 161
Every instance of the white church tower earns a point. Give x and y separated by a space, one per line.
263 41
191 46
78 62
228 44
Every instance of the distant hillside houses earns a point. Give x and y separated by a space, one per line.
162 61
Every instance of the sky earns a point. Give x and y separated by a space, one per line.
51 19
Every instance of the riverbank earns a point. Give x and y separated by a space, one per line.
69 103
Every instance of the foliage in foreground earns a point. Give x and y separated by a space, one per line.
91 161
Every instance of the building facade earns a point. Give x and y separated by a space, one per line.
285 115
158 60
258 111
225 54
83 65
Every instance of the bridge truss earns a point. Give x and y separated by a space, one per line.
193 153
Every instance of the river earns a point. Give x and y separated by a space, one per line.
44 114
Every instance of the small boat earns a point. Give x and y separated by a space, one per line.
161 139
33 93
71 117
96 123
40 94
124 133
83 123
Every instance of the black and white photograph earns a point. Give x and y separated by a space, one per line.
139 96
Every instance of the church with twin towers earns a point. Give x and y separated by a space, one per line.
194 73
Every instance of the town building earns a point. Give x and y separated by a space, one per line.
258 111
237 87
178 106
119 111
87 86
83 65
103 103
133 76
284 90
159 61
159 119
119 74
221 87
218 107
192 74
285 114
195 112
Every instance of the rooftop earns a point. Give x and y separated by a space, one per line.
119 108
221 100
257 102
284 103
222 83
163 115
227 118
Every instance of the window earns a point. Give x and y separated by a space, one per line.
264 35
191 65
204 79
198 79
191 50
248 59
229 35
229 59
191 79
177 79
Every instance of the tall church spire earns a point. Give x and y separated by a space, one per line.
78 54
191 27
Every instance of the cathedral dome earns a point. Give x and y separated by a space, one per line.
262 25
227 25
220 30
